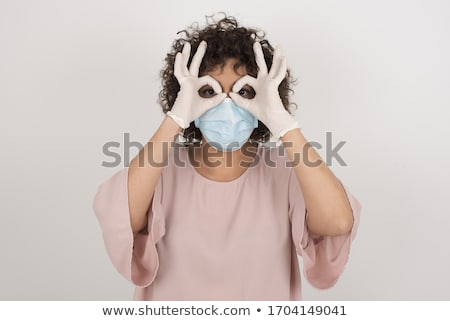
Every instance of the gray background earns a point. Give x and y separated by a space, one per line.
77 74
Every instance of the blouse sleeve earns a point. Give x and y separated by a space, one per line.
134 256
324 257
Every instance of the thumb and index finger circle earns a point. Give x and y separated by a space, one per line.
246 80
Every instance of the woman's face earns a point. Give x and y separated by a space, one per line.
226 76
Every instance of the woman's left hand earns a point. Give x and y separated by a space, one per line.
266 105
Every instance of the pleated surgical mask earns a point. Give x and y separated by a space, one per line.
226 126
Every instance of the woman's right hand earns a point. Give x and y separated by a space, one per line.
189 105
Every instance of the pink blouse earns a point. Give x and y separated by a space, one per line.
210 240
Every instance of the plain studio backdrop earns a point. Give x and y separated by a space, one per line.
75 75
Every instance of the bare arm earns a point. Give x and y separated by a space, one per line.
329 211
144 173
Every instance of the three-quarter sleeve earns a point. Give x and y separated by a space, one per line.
324 257
134 256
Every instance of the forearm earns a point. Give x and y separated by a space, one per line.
145 171
329 211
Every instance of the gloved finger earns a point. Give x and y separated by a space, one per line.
211 102
208 80
186 52
217 99
240 101
281 74
259 57
177 68
276 62
197 59
246 80
247 104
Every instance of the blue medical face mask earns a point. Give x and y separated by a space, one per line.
226 126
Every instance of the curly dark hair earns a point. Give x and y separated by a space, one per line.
225 39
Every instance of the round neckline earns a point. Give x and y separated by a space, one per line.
211 181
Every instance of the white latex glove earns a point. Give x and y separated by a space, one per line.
189 105
266 105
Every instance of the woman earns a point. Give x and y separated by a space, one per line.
225 217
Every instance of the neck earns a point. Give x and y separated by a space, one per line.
221 165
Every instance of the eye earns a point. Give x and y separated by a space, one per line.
206 91
247 92
243 92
